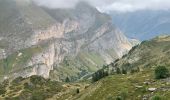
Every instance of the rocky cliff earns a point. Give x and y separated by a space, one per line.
56 43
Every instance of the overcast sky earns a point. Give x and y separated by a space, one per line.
112 5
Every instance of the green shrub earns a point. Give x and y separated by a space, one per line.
2 91
122 96
17 80
157 97
135 70
161 72
124 71
38 95
37 80
119 98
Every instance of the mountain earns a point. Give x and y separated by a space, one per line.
56 43
144 24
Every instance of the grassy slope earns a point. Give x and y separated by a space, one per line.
32 88
147 54
131 85
38 88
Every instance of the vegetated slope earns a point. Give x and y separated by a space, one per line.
56 43
38 88
129 87
144 24
148 54
135 85
34 87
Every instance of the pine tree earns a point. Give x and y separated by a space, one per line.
124 71
118 71
77 91
67 79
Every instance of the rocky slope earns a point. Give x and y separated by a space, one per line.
56 43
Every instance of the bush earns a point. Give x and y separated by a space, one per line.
161 72
17 80
37 80
157 97
122 96
118 98
124 71
2 91
135 70
99 75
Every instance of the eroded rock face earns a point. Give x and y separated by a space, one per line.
85 29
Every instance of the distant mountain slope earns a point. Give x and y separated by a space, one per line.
143 24
56 43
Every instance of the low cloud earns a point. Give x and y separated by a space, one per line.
135 5
111 5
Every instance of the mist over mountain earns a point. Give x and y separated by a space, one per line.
110 5
144 24
137 19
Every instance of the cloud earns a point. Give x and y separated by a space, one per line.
57 3
135 5
111 5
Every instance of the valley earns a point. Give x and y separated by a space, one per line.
78 52
134 84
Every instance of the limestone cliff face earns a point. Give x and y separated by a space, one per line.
43 63
114 40
55 31
46 37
